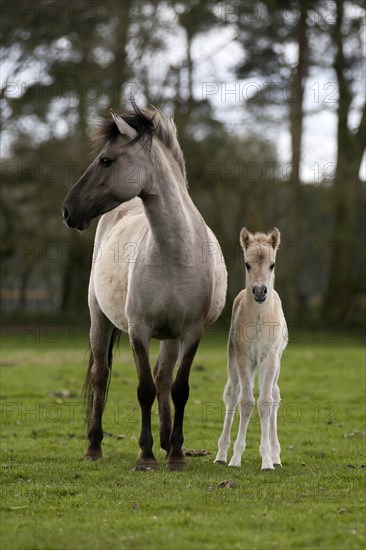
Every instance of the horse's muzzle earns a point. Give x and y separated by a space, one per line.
74 224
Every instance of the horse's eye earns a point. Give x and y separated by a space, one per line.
247 266
105 161
272 266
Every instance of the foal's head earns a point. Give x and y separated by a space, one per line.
259 254
126 165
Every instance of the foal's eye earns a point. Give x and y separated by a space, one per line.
105 161
247 266
272 266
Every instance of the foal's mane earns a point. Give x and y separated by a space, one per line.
148 123
259 239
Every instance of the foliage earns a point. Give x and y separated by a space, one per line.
67 64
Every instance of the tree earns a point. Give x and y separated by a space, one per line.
345 282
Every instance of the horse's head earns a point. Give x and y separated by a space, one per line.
259 254
118 174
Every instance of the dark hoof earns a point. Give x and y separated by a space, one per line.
277 465
267 469
221 462
93 455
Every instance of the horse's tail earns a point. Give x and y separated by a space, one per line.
87 387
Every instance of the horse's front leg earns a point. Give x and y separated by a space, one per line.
163 374
180 393
96 382
146 393
267 374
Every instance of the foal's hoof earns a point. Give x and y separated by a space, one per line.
277 464
176 464
220 462
145 465
92 455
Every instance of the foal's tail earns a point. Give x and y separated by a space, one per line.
87 387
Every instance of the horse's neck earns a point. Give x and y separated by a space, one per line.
173 219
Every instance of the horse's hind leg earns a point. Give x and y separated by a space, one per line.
163 374
102 333
180 393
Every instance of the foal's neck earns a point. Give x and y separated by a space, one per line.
255 310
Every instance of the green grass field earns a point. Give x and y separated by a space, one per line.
52 499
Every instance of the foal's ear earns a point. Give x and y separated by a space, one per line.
124 128
275 238
246 237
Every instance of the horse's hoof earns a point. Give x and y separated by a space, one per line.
221 462
277 464
267 469
93 456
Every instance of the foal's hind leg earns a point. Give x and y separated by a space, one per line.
96 383
275 444
163 373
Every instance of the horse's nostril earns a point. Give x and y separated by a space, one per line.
65 213
264 290
254 290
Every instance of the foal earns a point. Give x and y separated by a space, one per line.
258 336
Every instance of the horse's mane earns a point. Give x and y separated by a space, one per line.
148 123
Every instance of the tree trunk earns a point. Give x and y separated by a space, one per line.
343 278
296 130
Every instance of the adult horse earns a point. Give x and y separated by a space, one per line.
158 272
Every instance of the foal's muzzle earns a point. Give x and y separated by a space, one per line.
259 293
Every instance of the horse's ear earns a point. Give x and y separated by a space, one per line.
246 237
124 128
275 238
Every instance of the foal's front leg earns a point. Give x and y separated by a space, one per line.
267 375
245 405
146 393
